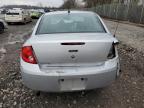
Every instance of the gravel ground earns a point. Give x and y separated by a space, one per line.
131 35
126 92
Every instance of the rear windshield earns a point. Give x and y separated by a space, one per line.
12 13
70 23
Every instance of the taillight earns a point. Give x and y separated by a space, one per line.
112 53
27 55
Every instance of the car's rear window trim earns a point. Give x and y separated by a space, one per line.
39 25
102 25
68 33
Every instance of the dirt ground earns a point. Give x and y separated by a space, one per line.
126 92
128 34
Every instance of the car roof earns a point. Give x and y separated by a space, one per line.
71 11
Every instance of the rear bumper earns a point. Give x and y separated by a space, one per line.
91 77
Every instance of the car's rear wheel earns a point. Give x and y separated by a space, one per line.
1 28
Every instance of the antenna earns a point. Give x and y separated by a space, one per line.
116 28
117 19
69 10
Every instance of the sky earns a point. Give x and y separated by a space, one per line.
55 3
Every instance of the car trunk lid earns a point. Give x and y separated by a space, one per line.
74 49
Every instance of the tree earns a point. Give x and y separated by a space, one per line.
127 1
69 4
91 3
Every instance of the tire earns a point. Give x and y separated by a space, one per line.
36 93
8 23
1 28
24 21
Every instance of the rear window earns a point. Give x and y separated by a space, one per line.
12 13
70 23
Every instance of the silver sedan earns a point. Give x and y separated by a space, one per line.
69 51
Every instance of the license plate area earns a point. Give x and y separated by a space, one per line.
72 84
